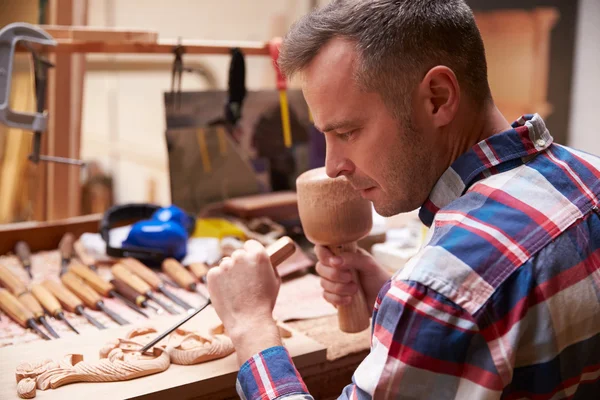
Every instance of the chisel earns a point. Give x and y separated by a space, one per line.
124 290
51 304
136 267
66 251
84 256
136 283
182 276
24 254
18 289
278 252
101 286
18 312
69 301
89 296
199 270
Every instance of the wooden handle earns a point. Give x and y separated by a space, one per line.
91 278
81 290
199 270
29 301
66 245
44 296
178 273
353 317
136 283
68 300
127 292
139 269
11 282
23 252
82 254
13 308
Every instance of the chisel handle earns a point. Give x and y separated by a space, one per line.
81 289
139 269
82 253
46 298
23 252
91 278
66 245
135 282
68 300
13 308
178 273
29 301
199 270
126 291
11 282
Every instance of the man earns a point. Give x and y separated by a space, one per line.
503 300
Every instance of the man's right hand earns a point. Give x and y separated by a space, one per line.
336 278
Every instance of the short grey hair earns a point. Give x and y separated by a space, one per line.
397 42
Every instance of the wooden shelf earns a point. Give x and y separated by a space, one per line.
161 47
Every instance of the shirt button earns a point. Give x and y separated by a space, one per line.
540 142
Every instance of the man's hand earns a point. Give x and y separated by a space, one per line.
336 279
243 290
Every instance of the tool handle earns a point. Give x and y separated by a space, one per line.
66 245
82 253
44 296
68 300
91 278
81 290
23 252
13 308
29 301
354 317
139 269
126 291
281 250
199 270
135 282
11 282
178 273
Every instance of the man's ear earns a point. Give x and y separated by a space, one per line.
439 94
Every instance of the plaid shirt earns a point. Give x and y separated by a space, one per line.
503 300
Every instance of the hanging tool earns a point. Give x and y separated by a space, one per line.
50 304
65 246
18 312
182 276
274 46
140 286
24 254
84 256
176 73
69 301
18 289
278 252
139 269
133 296
101 286
89 296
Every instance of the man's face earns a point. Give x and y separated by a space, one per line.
386 160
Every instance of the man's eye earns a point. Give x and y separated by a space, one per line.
345 135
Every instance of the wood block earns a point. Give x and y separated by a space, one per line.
277 206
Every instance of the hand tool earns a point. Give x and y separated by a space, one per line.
51 304
89 296
139 269
199 270
278 252
179 274
84 256
18 289
69 301
334 214
17 311
24 254
124 290
66 251
100 285
136 283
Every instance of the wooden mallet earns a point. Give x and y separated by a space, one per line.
334 215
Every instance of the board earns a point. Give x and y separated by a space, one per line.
180 382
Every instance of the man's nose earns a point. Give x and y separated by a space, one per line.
336 163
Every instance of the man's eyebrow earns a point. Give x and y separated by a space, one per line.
332 126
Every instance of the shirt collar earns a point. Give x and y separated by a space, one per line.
500 152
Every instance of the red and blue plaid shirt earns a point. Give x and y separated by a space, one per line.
502 301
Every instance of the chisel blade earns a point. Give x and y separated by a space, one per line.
175 299
90 319
161 303
62 317
128 303
31 323
48 327
118 319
